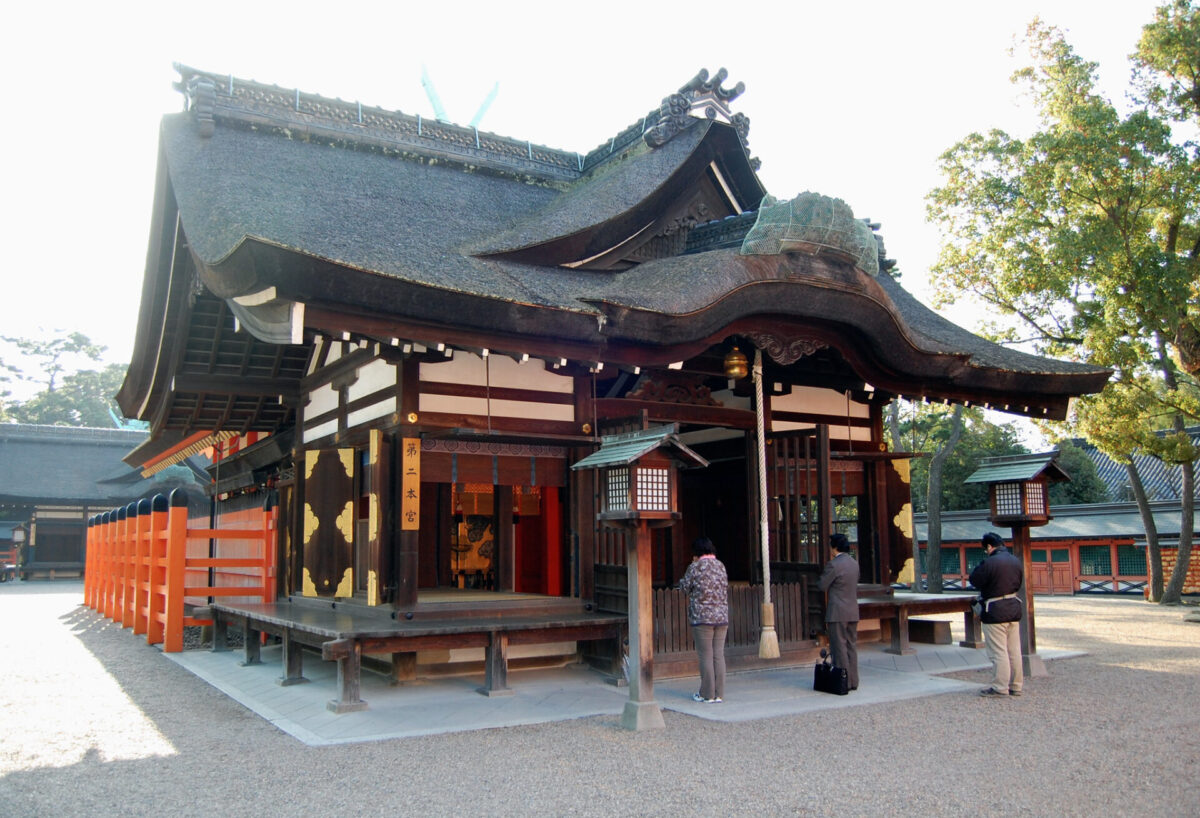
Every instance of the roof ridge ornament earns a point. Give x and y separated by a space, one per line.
202 102
698 98
813 224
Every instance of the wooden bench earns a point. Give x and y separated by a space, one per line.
929 631
343 634
893 613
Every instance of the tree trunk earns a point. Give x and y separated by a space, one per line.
933 527
1173 593
894 423
1153 551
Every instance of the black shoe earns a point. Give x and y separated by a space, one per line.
988 692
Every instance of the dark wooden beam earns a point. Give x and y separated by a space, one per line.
238 386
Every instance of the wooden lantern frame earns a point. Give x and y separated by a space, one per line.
639 491
1019 487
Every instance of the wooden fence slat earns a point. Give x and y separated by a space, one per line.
673 634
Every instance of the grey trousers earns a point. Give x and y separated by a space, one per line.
1003 640
843 644
710 649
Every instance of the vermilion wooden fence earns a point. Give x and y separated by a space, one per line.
139 572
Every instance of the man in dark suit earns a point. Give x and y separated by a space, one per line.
840 582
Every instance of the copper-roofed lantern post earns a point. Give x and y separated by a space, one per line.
1018 495
639 490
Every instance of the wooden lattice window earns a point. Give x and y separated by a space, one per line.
1095 560
653 489
974 557
1008 500
618 488
1131 561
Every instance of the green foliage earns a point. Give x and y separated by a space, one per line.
47 359
70 395
83 398
929 432
1085 235
1085 485
1165 73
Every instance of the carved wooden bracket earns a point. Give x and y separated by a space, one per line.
670 387
786 351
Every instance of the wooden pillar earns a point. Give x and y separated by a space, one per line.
379 526
105 563
824 494
108 600
89 570
973 629
267 572
158 570
641 711
348 653
496 666
251 645
293 661
1034 666
176 569
898 624
141 567
407 541
128 522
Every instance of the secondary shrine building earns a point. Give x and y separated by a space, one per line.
426 326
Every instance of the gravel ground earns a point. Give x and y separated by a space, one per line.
95 723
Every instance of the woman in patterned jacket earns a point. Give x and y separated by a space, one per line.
707 586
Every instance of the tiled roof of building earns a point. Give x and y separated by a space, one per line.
1094 520
68 464
287 199
1162 481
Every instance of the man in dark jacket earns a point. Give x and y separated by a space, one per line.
998 578
840 581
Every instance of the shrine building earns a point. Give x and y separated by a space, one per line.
425 326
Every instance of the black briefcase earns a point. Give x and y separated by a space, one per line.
830 679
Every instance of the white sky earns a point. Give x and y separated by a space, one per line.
854 100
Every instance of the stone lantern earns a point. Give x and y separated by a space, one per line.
1019 497
638 487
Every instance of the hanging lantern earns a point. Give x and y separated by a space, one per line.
1018 487
736 364
638 475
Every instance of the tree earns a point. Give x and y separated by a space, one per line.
70 395
928 428
51 357
1085 237
956 440
83 398
1085 485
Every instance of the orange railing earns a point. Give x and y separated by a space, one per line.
139 571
